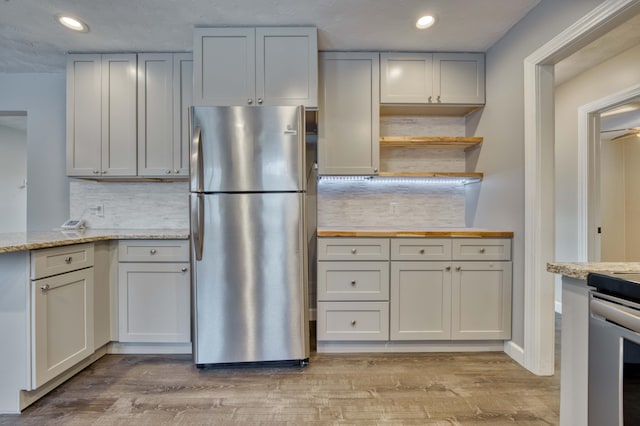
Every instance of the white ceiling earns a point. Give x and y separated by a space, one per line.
31 41
616 41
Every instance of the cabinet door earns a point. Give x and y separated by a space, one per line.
224 66
119 125
406 77
155 114
62 323
154 302
481 300
348 133
287 66
459 78
84 103
420 301
182 100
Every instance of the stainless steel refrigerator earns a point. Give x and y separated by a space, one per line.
249 234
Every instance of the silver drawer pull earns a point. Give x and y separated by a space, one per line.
447 268
68 260
353 282
153 251
353 323
421 251
458 268
45 287
482 250
184 269
354 251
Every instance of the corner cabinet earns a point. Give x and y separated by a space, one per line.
256 66
432 78
348 117
164 96
101 115
154 290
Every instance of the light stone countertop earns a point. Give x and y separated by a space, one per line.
580 270
10 242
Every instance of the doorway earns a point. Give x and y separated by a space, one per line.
13 171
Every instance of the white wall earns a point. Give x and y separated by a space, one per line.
499 201
614 75
13 173
43 97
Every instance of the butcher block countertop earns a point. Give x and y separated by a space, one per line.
411 232
18 241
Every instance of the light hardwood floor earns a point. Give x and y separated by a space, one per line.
341 389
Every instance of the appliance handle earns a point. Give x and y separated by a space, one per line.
621 315
197 224
196 161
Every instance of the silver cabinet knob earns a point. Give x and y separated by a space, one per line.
458 268
96 172
439 98
153 251
429 99
447 268
45 287
353 282
176 171
168 171
482 250
260 101
375 170
354 251
184 269
104 172
421 251
68 260
249 101
353 323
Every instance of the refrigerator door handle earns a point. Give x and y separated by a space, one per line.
196 162
197 225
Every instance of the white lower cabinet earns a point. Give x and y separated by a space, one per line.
62 310
154 291
420 301
431 289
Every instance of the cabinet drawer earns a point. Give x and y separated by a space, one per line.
420 249
58 260
353 321
353 249
353 281
482 249
153 251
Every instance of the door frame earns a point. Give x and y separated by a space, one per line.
539 242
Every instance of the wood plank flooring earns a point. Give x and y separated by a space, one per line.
334 389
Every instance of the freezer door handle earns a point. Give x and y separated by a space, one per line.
197 224
196 161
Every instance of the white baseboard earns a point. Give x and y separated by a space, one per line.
399 347
514 351
148 348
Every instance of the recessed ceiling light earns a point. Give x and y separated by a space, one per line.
425 22
72 23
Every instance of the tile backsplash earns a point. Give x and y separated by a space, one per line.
138 205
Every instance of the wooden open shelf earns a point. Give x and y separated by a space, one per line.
463 176
453 142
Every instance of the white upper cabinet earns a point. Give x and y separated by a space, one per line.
256 66
348 118
101 115
164 93
432 78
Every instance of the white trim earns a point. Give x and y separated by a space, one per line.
148 348
514 351
407 346
539 301
588 169
558 307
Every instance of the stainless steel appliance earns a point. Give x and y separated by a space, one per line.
614 349
249 171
